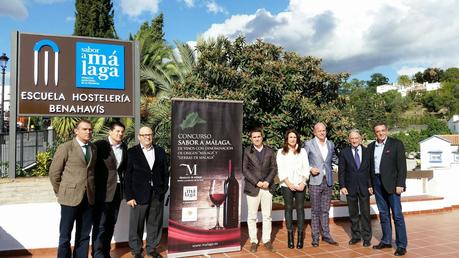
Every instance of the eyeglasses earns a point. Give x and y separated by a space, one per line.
146 135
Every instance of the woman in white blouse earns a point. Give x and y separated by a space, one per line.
293 169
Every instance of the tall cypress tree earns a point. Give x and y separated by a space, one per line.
153 32
157 26
94 18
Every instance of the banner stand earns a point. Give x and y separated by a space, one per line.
206 174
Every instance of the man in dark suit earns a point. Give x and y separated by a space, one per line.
110 168
321 154
146 183
388 168
355 183
72 177
259 169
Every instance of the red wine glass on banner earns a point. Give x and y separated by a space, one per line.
217 196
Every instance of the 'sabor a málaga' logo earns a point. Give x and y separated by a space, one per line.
99 66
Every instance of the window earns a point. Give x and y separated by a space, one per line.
456 157
435 156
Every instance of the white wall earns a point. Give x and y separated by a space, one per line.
415 186
385 88
36 225
445 184
438 145
453 124
433 86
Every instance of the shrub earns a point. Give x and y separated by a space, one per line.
43 163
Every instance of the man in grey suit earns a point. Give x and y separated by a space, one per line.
72 177
259 169
321 154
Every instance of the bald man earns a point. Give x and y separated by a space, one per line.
146 183
321 154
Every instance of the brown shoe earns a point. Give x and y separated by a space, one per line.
253 248
269 246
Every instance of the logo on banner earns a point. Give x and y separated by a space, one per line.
99 66
190 171
36 49
190 193
189 214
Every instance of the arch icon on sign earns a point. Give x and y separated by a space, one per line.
36 49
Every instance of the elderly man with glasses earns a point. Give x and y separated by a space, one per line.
146 183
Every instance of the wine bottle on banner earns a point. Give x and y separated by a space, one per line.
231 205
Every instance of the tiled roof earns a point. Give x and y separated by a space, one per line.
452 138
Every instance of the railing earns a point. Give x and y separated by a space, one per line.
28 144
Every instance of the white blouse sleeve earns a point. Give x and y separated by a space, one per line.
305 163
281 166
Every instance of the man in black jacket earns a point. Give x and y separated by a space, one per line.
146 184
355 183
388 169
259 169
109 175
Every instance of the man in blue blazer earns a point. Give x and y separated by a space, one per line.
355 183
388 168
321 154
146 183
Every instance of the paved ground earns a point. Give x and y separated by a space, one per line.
26 190
429 235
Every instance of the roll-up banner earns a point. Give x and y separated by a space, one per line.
206 177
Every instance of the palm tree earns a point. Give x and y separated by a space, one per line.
157 109
63 126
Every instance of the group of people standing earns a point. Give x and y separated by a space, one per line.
91 179
379 169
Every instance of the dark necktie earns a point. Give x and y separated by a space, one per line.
87 155
357 158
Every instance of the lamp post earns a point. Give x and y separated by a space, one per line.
3 61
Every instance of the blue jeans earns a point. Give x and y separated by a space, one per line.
386 203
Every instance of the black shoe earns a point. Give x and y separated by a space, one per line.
269 246
290 242
366 243
315 242
299 244
329 240
137 255
400 251
354 241
155 254
381 245
253 247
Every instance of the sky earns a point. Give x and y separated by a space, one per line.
360 37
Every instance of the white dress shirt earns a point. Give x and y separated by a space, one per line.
149 155
116 148
117 151
379 147
323 147
258 149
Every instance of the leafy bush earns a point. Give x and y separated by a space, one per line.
43 163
